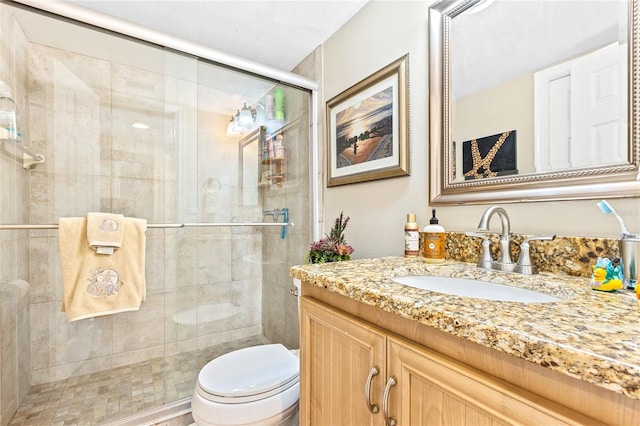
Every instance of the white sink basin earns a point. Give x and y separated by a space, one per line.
476 289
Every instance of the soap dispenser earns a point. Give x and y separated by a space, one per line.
434 239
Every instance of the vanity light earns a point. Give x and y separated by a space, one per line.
139 125
246 117
242 122
231 127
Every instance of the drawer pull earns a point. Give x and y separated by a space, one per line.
373 408
388 421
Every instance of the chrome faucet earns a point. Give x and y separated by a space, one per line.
504 263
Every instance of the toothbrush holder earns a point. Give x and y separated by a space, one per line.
630 258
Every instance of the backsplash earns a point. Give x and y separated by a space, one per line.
565 255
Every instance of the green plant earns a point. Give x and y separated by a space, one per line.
332 247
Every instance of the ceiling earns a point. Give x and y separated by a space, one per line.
509 38
278 33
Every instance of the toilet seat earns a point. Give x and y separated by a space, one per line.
249 374
276 410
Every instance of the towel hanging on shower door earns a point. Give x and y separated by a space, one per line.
97 284
105 232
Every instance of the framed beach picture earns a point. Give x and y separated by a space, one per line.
367 128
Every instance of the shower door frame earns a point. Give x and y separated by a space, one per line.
77 13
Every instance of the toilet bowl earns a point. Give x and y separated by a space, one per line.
258 385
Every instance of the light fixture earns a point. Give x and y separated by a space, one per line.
260 116
242 122
231 127
139 125
246 118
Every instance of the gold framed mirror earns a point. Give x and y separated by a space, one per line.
511 112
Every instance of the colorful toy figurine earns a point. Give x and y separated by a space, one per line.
607 275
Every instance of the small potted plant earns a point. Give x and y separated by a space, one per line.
332 247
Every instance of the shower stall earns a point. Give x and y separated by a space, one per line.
214 153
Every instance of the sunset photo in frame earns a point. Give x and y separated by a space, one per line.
367 128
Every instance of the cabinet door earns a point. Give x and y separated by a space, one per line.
433 390
337 354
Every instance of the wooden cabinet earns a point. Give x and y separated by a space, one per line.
434 390
424 387
337 356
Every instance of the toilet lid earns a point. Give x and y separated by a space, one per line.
250 371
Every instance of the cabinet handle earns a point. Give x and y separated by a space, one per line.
388 421
373 408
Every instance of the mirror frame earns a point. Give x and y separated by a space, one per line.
587 183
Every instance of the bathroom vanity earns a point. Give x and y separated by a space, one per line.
374 351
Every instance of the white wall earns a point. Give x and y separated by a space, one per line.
381 32
506 106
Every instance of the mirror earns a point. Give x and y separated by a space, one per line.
249 169
533 100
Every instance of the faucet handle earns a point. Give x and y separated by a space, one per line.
485 260
524 265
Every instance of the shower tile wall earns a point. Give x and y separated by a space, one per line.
14 266
293 249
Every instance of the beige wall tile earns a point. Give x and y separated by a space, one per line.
139 329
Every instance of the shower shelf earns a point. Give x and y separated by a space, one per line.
29 157
278 176
273 161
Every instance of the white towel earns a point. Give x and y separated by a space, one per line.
95 284
105 232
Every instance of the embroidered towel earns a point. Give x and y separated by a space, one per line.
94 284
105 232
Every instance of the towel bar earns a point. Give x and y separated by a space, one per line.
158 225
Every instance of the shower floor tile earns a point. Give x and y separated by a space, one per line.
106 396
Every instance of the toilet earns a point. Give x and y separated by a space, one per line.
258 385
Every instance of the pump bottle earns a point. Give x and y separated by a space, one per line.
411 237
433 243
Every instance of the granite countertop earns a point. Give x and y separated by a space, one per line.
590 335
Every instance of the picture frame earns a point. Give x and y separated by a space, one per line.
490 156
368 128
